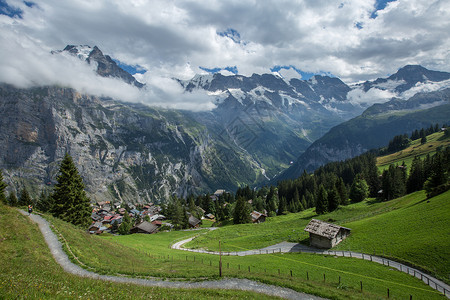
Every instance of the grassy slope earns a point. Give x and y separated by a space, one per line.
408 228
417 233
29 271
407 155
150 255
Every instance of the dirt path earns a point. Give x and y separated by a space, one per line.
286 247
228 284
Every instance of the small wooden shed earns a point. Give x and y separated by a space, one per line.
325 235
144 227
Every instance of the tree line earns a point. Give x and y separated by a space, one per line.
67 201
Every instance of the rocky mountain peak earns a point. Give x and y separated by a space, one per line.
106 67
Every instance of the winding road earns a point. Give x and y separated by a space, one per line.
286 247
228 284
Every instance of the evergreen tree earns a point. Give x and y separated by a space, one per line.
272 204
44 203
359 189
423 140
303 204
12 199
342 191
393 182
2 189
70 201
126 225
322 200
416 177
25 198
282 208
333 199
242 211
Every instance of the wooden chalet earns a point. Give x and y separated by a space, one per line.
325 235
144 227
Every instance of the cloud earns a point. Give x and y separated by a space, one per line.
359 97
170 38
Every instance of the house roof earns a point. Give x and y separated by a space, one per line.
146 226
210 216
219 192
256 214
324 229
193 221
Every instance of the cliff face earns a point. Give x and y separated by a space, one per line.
127 152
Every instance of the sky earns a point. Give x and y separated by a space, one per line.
354 40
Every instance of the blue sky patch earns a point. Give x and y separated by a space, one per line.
232 34
380 5
359 25
130 69
305 75
10 11
233 70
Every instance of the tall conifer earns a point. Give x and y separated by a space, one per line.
70 201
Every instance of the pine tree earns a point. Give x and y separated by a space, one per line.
342 191
242 211
12 199
44 203
70 201
322 200
333 199
25 198
416 177
3 186
126 225
359 189
282 207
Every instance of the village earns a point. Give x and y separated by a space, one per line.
148 218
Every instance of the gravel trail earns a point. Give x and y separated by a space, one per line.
286 247
229 284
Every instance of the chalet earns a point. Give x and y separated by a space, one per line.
144 227
194 222
210 216
325 235
258 217
97 228
157 223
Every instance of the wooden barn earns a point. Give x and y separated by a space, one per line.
145 227
325 235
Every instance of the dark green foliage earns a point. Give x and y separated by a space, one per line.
2 189
282 207
175 211
70 201
399 142
359 189
393 182
333 199
126 225
25 198
45 202
416 177
241 214
12 199
423 140
322 200
439 179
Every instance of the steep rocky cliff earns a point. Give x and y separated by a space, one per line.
123 151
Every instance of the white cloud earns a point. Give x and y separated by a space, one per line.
373 95
171 38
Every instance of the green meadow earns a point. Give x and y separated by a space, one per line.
434 141
28 271
150 256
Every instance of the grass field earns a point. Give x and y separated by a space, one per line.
150 256
407 155
409 229
28 271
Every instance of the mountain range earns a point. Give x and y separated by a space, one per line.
262 127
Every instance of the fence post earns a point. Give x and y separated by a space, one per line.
249 269
228 265
388 292
323 277
307 275
361 286
239 267
278 271
291 273
339 279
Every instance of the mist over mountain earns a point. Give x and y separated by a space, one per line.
254 128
